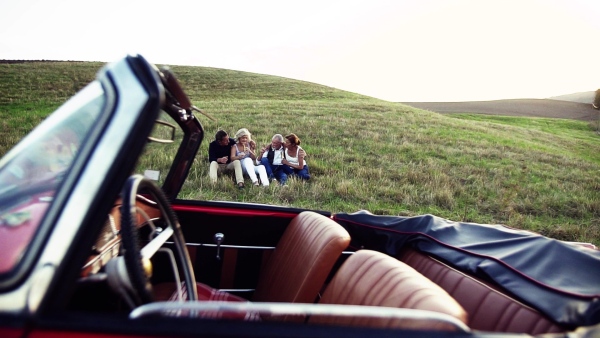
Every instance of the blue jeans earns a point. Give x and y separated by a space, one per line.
301 173
274 171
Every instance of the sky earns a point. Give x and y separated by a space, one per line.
394 50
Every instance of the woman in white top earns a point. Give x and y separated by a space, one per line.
294 161
243 150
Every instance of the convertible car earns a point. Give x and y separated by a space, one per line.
94 241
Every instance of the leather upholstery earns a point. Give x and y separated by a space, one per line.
489 309
302 260
375 279
164 292
168 292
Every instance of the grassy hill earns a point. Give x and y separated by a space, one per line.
363 153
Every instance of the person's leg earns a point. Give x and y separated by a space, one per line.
248 168
303 173
213 170
280 175
237 168
287 169
265 161
262 173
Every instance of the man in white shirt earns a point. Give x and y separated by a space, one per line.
271 156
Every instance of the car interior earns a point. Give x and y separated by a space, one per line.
252 265
262 264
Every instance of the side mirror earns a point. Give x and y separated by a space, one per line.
163 132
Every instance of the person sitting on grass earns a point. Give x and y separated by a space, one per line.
243 150
271 156
218 157
295 164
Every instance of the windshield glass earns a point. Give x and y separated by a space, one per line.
31 173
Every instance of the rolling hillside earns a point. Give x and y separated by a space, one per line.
540 174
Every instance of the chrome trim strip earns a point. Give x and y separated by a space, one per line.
283 309
230 246
237 290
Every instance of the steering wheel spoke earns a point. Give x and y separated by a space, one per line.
151 248
137 260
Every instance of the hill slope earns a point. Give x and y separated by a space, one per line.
583 97
364 153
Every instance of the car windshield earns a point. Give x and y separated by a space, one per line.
32 172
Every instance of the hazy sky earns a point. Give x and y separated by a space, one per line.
396 50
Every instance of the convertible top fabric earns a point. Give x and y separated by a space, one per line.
559 279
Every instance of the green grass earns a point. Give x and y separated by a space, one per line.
530 173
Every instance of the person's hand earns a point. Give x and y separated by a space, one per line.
285 161
222 160
252 145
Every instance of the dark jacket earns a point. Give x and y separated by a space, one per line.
215 150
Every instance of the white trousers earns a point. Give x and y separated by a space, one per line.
251 170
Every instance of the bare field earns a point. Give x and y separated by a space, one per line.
517 107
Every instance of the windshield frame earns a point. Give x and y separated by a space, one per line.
60 189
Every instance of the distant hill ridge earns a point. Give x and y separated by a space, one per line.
548 108
583 97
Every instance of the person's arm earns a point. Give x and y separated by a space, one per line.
251 147
232 154
212 152
251 153
301 157
301 154
263 152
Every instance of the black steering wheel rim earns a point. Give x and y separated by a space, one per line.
140 282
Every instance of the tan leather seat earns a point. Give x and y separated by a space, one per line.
489 308
375 279
302 260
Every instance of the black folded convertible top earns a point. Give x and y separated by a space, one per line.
559 279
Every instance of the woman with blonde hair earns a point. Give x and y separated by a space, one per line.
243 150
294 161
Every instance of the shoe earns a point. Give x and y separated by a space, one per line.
241 186
255 183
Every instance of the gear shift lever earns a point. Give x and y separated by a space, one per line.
218 238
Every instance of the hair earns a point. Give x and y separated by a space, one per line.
220 134
243 132
277 136
293 139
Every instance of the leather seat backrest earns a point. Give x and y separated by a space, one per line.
375 279
489 308
302 260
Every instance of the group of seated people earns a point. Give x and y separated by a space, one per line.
280 159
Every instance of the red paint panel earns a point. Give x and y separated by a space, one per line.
11 333
233 212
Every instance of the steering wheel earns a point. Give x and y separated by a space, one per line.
137 261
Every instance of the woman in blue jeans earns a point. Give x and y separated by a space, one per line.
294 162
